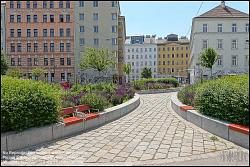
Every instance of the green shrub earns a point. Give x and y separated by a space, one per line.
95 101
226 98
27 103
155 83
187 94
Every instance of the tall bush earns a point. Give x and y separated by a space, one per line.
26 104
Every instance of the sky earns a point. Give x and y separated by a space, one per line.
163 18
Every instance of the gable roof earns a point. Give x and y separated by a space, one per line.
220 12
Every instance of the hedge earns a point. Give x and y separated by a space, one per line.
155 83
226 98
27 103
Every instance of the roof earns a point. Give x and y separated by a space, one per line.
220 12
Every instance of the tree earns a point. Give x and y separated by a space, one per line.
100 60
146 73
15 73
37 72
127 70
4 65
208 58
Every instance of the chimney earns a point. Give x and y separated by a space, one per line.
223 4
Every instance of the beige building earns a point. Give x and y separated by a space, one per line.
96 25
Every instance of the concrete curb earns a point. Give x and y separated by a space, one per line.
158 91
12 141
214 126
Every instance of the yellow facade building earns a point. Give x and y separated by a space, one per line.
173 57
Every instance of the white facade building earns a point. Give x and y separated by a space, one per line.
141 52
227 31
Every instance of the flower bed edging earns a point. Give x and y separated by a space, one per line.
11 141
235 133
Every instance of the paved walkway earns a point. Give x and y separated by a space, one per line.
150 135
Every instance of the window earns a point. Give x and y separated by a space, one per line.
19 32
95 3
44 4
61 32
62 77
68 61
114 4
96 41
12 18
81 3
11 4
35 18
67 47
19 61
45 33
62 61
177 55
247 28
114 29
163 56
95 16
35 61
61 17
51 5
45 18
182 55
35 33
81 16
19 47
81 28
247 44
61 47
204 44
67 18
114 16
12 33
46 62
146 49
204 27
172 55
219 46
19 18
219 60
172 69
82 41
67 4
28 47
12 47
29 61
28 33
60 4
186 55
234 44
52 47
12 61
234 61
95 28
52 18
52 61
34 4
35 47
172 48
19 5
28 18
45 47
51 32
68 32
219 27
234 27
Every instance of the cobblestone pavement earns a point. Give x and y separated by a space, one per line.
151 134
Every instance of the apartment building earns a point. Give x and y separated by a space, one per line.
141 52
227 31
41 34
173 57
3 27
96 25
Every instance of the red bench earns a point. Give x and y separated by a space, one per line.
70 120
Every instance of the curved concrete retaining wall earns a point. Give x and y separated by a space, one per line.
236 134
158 91
13 141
